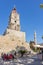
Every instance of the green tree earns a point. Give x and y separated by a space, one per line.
42 37
22 52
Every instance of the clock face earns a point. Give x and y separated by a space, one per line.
15 21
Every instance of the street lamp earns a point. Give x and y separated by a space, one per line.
41 6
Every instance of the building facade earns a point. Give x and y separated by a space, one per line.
13 37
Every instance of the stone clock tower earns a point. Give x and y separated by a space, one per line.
14 20
13 37
13 29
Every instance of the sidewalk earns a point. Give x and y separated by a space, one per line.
23 61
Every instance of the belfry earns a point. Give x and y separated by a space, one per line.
14 20
13 28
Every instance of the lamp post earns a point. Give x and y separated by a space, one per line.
41 6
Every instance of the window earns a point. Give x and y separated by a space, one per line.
15 21
18 25
22 43
15 27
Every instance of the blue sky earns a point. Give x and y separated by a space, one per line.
31 17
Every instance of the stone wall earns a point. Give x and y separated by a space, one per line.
8 43
19 34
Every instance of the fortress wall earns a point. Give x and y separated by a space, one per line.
7 43
20 35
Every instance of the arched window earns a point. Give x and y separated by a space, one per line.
15 27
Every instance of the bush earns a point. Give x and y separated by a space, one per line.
22 52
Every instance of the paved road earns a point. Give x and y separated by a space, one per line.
23 61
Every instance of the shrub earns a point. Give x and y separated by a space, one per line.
22 52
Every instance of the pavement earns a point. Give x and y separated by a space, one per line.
27 60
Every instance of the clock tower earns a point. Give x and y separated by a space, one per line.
13 29
14 20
